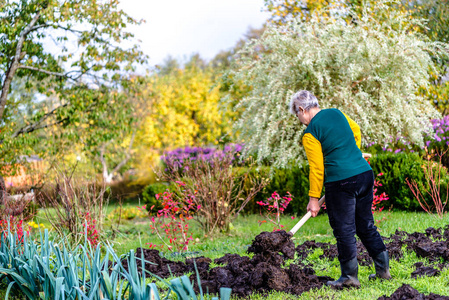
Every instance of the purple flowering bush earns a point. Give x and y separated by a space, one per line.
178 157
441 137
436 141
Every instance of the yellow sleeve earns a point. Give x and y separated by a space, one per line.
356 130
314 154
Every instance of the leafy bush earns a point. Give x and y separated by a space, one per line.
149 195
171 222
396 168
436 176
74 205
274 207
436 140
294 179
126 213
124 189
213 186
441 139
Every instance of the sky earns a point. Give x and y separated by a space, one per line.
181 28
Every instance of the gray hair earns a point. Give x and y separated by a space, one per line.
304 99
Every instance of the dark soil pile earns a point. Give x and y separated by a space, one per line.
406 292
162 267
422 270
330 251
433 244
264 272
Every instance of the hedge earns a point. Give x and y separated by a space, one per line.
295 179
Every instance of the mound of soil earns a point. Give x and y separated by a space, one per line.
330 251
433 245
422 270
407 292
264 272
163 267
273 242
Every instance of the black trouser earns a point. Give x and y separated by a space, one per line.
348 205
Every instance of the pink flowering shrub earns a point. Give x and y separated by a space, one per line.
171 222
15 226
91 230
274 206
377 199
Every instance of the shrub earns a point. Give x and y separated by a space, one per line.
294 179
396 168
441 139
75 204
171 222
217 189
22 205
437 140
179 157
126 213
274 207
124 189
149 195
378 197
436 176
15 211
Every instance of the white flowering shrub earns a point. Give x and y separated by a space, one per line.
369 69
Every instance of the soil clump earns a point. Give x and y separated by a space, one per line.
422 270
407 292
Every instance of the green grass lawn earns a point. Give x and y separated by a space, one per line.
131 234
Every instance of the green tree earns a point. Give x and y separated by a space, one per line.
367 70
68 56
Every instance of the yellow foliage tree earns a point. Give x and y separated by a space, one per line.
181 108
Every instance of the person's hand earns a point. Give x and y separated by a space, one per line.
313 206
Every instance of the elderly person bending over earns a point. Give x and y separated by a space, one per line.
332 144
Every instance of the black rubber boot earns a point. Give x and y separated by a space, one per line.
381 263
348 278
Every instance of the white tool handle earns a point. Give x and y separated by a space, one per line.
305 218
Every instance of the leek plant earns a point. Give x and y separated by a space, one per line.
49 270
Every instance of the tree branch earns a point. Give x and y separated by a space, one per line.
43 71
35 126
55 26
103 161
75 77
108 175
14 64
128 155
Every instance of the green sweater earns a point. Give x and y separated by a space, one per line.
332 144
